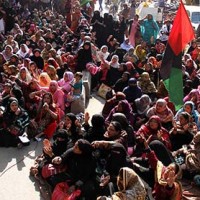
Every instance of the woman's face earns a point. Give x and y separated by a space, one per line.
104 50
111 131
47 99
43 79
76 149
120 183
182 120
23 74
187 108
160 107
52 87
170 168
7 50
189 63
153 124
66 78
114 60
23 48
14 106
124 77
147 67
68 121
32 68
86 46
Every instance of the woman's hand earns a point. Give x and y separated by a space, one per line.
46 107
171 178
48 151
104 180
86 117
57 160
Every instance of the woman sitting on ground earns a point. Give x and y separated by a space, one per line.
124 107
166 184
162 110
130 186
73 127
183 131
97 130
115 133
154 129
141 106
14 122
189 107
45 122
80 168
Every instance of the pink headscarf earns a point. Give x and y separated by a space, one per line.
65 85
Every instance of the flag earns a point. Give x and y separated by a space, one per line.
83 2
171 68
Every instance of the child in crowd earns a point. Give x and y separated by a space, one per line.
76 87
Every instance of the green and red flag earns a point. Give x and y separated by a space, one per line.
171 69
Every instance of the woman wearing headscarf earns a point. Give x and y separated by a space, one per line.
183 131
153 129
193 155
149 29
166 184
112 102
15 120
140 52
130 186
27 89
121 118
66 81
96 131
130 56
80 168
147 86
44 79
73 127
189 107
141 106
163 112
114 71
17 93
103 52
194 96
45 122
51 71
117 134
122 107
58 96
132 91
84 56
122 82
24 51
7 52
24 75
108 170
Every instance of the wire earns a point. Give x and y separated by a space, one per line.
19 161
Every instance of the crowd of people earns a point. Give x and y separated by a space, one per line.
140 146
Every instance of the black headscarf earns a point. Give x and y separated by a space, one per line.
85 147
97 120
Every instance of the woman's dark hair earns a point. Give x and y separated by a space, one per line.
85 146
186 116
50 95
116 125
97 120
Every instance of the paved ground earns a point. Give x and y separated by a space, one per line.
15 164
